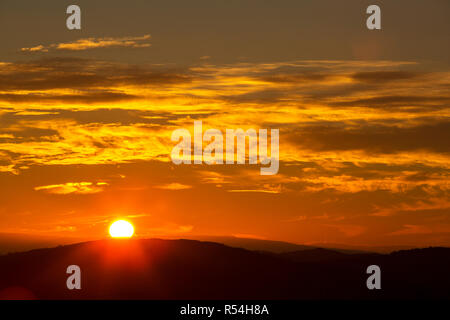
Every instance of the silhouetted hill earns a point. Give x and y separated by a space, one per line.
346 248
16 242
256 244
187 269
316 255
10 243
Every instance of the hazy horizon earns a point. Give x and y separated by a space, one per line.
19 243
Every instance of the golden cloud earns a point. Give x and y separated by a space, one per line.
342 128
94 43
174 186
73 187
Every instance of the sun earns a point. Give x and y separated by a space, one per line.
121 229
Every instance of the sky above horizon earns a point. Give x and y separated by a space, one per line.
86 118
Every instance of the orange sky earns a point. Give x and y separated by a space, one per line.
85 138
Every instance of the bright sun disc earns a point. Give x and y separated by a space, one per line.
121 229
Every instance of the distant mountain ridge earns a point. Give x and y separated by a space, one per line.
256 244
188 269
10 242
320 255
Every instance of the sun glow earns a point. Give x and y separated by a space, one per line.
121 229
